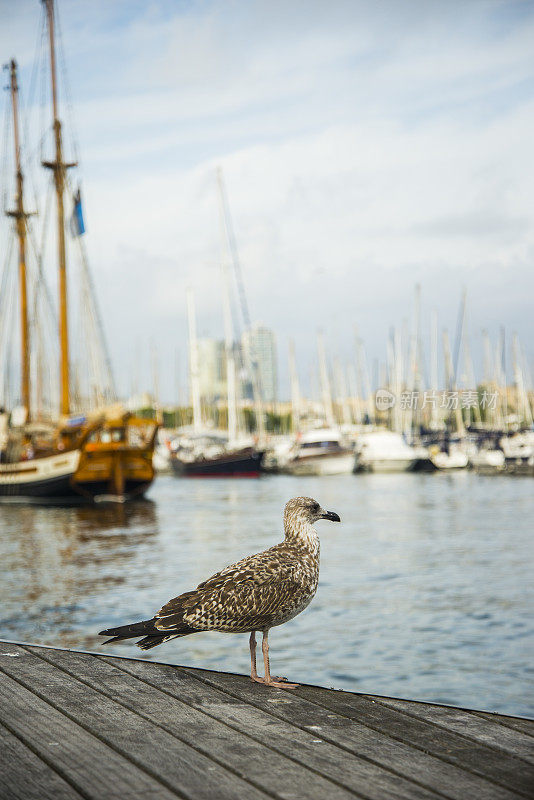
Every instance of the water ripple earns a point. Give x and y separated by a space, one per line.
426 588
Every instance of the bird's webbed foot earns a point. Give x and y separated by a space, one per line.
281 683
275 681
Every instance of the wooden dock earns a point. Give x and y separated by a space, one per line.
79 725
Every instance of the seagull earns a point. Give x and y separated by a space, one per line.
254 594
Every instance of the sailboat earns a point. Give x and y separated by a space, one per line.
228 454
321 450
207 453
450 453
100 454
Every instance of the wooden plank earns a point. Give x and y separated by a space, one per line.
24 776
476 757
517 723
81 725
179 767
81 759
269 770
432 772
311 749
471 725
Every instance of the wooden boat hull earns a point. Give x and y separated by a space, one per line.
115 470
116 459
242 464
47 477
98 467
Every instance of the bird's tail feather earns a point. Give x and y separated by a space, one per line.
163 636
153 641
130 631
146 628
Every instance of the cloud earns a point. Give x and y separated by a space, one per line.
365 147
478 224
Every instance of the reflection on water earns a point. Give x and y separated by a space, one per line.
58 562
425 588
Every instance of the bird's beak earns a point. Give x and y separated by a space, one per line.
331 515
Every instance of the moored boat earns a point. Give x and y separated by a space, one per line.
319 452
453 460
385 451
487 461
99 453
110 459
45 477
241 463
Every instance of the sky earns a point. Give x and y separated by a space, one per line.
366 147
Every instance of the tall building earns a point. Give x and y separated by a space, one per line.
211 370
260 344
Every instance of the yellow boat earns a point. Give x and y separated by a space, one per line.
99 454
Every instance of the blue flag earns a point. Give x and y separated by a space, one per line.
77 225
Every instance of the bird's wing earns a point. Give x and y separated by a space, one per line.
245 594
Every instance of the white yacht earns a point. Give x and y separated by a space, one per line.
486 460
453 458
319 452
385 451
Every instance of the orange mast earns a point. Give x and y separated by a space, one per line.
59 168
20 216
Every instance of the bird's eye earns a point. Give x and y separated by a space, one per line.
315 507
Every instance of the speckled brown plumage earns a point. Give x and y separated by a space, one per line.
254 594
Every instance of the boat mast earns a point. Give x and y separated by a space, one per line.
449 372
363 377
341 392
59 168
230 361
249 351
397 390
325 383
295 389
434 380
193 361
20 216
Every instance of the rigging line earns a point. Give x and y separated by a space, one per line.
36 61
5 151
66 88
87 340
6 307
44 86
249 356
234 254
95 308
5 268
94 388
227 255
29 156
27 164
41 283
6 329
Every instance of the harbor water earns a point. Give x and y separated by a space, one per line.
426 587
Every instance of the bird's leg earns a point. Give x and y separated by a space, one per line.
272 680
253 673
